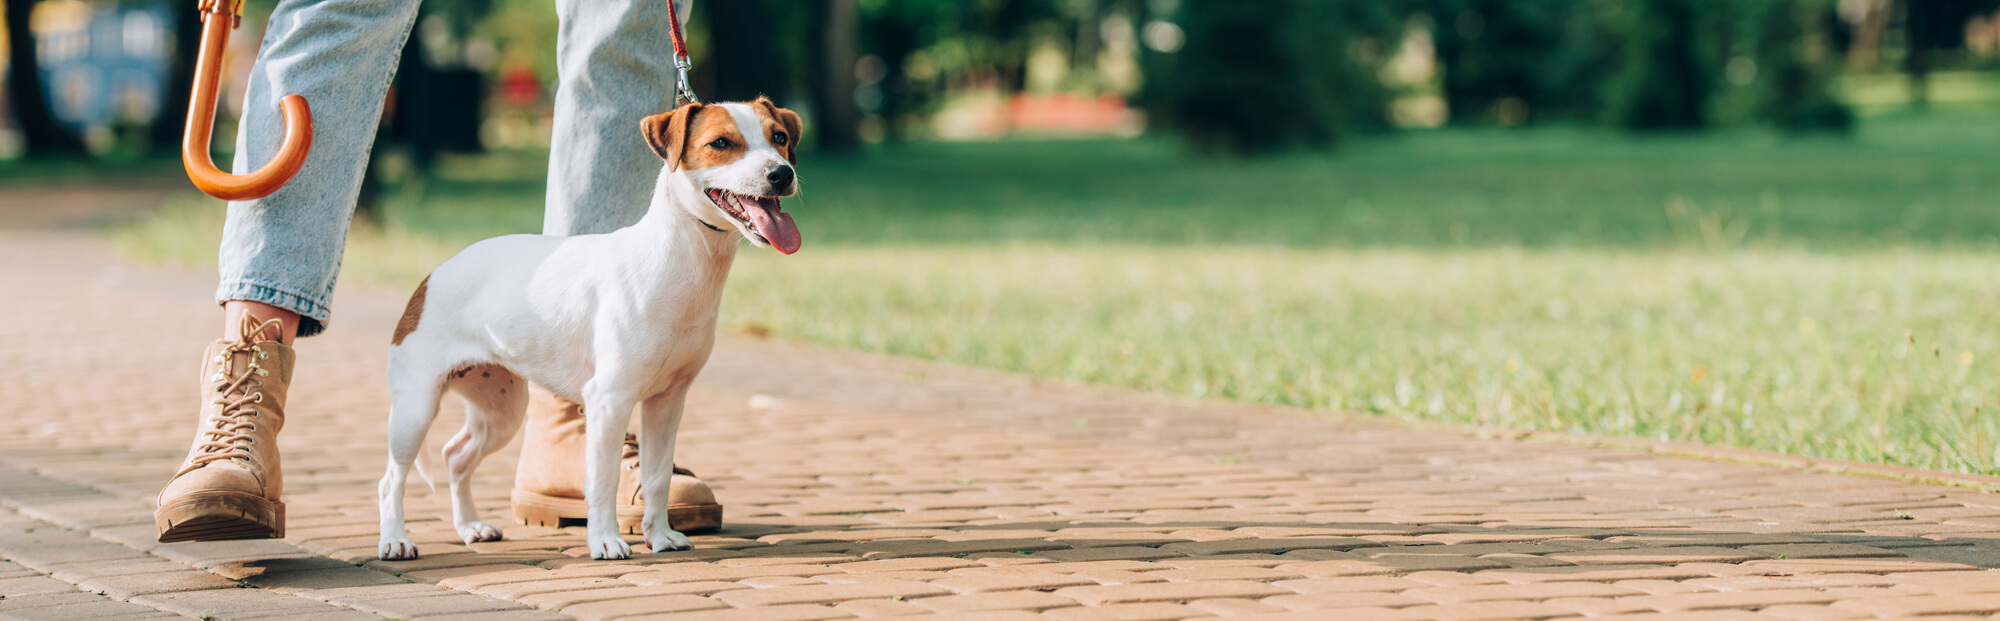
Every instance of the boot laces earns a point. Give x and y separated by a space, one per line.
226 432
631 456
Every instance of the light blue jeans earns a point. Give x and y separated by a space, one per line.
615 59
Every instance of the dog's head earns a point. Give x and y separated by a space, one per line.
740 156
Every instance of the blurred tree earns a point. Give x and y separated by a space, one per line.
164 137
1794 67
1930 27
42 135
1664 83
973 35
1512 62
831 41
745 49
1258 75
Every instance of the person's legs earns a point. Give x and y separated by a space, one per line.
617 66
284 250
616 62
280 255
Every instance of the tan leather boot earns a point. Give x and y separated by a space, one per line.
548 487
229 487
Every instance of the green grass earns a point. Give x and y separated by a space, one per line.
1826 297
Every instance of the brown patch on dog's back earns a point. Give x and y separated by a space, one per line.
411 313
710 123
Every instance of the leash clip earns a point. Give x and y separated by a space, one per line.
685 89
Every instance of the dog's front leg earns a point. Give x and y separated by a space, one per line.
659 424
607 412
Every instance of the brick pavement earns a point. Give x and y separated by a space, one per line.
860 486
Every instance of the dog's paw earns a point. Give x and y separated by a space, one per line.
477 531
612 548
666 540
396 549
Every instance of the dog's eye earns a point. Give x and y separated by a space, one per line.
719 144
779 138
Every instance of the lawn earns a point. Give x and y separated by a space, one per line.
1827 297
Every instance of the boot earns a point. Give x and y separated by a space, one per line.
230 485
548 487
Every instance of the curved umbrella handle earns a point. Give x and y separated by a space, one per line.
217 20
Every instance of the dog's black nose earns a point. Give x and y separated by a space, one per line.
780 177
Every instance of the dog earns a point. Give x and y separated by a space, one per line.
613 321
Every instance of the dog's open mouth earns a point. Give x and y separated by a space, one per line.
760 218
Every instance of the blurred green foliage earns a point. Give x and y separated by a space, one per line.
1257 75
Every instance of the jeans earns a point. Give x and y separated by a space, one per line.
615 59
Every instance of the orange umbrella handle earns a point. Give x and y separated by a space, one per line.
217 20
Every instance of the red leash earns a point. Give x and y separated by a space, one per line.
682 63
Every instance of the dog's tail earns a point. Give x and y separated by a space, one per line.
423 473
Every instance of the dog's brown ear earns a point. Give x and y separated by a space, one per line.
667 133
787 118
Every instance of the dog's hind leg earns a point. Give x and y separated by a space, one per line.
659 424
495 402
413 404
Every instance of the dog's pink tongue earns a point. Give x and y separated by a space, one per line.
774 224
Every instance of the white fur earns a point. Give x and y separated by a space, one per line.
613 321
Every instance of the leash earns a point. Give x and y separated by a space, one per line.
682 63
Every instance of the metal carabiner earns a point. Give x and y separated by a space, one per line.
681 84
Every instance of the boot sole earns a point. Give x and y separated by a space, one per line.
220 516
534 509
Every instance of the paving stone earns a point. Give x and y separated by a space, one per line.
907 564
1596 573
1532 591
504 615
133 585
1812 613
1484 611
1232 607
340 577
1818 550
1011 581
100 609
1804 581
1745 600
1977 556
1344 600
1964 603
1125 612
49 599
518 590
208 553
1168 592
235 603
1240 546
870 608
1857 566
702 572
412 607
37 585
1663 555
344 595
80 572
827 593
801 612
1007 600
647 604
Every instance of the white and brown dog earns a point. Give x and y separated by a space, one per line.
614 321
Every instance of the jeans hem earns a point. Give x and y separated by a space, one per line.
313 310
